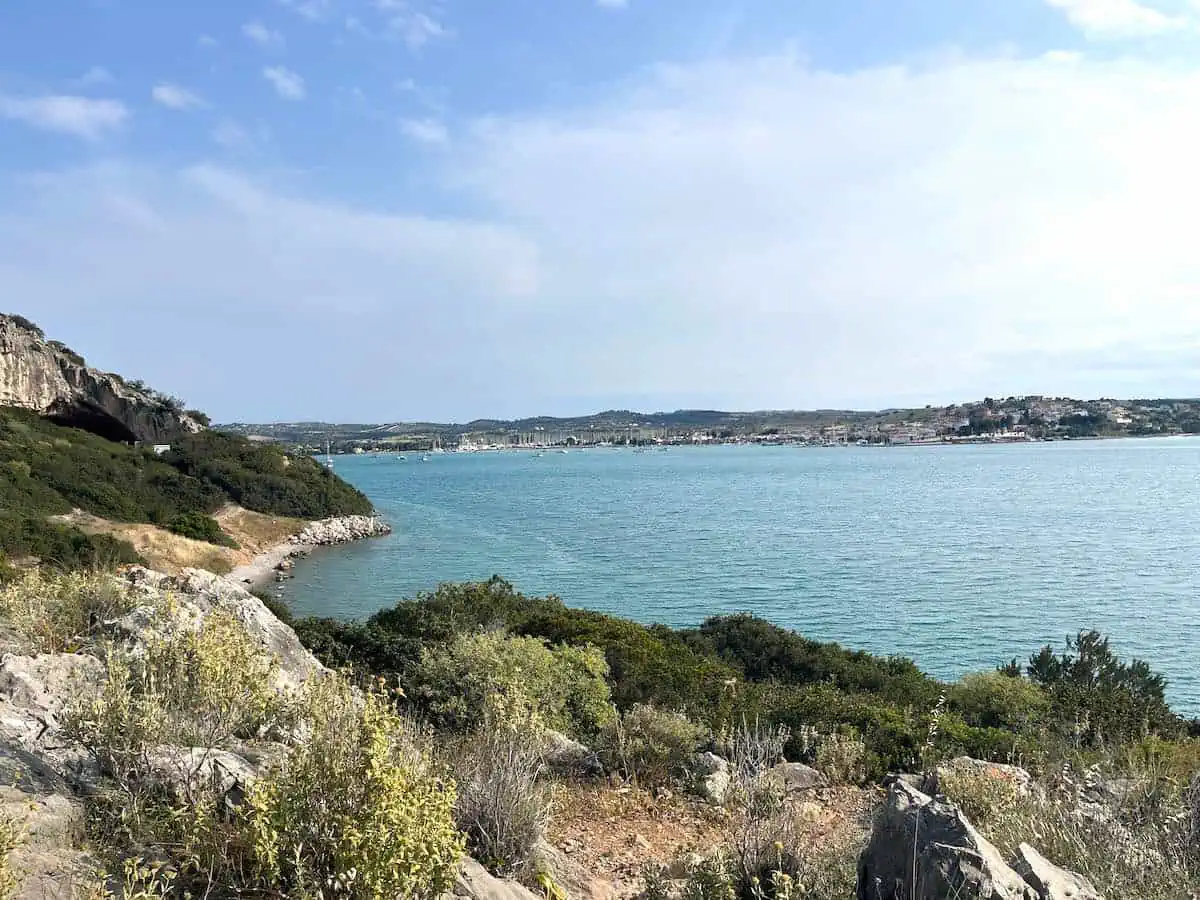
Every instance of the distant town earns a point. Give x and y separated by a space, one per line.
1012 419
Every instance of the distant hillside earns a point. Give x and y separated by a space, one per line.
48 469
1039 417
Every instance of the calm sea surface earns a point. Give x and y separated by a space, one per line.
960 557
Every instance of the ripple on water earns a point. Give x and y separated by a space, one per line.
961 557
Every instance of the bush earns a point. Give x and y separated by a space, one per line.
200 527
515 679
11 837
651 747
995 700
502 807
61 548
358 809
60 613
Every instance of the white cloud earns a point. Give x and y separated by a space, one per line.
1115 19
287 83
207 42
751 233
175 97
412 24
81 117
262 35
96 75
313 10
425 131
612 4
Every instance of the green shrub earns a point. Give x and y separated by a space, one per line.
358 810
200 527
62 548
652 747
994 700
12 835
56 613
518 679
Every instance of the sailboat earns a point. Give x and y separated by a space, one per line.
328 457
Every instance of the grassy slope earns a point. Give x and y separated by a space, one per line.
47 470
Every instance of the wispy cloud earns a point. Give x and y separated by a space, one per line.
425 131
173 96
313 10
234 138
81 117
411 24
207 42
287 83
260 34
1118 19
612 4
96 75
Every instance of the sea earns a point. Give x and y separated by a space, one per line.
960 557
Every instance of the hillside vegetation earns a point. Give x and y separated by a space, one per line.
1081 698
49 470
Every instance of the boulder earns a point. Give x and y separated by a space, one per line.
924 849
477 883
713 778
1051 882
34 690
967 766
194 594
795 778
568 757
569 875
341 530
188 771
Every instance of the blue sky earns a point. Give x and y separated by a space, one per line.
369 210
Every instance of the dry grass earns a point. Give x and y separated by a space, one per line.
171 553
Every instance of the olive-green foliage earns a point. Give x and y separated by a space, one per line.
738 666
262 477
60 613
652 747
357 810
520 679
200 527
60 547
199 688
995 700
12 835
48 469
1104 700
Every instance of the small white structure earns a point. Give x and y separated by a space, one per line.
160 449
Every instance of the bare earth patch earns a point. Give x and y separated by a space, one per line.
615 833
171 553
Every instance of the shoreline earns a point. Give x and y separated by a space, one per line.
272 564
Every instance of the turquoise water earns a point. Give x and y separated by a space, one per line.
960 557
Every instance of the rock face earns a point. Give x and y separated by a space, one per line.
568 757
1051 882
196 593
794 777
713 778
50 379
924 849
343 530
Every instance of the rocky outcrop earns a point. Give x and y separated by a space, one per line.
52 380
342 530
569 758
1050 881
713 778
923 848
196 593
795 778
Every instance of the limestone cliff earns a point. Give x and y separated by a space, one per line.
49 378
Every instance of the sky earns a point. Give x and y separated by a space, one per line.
380 210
